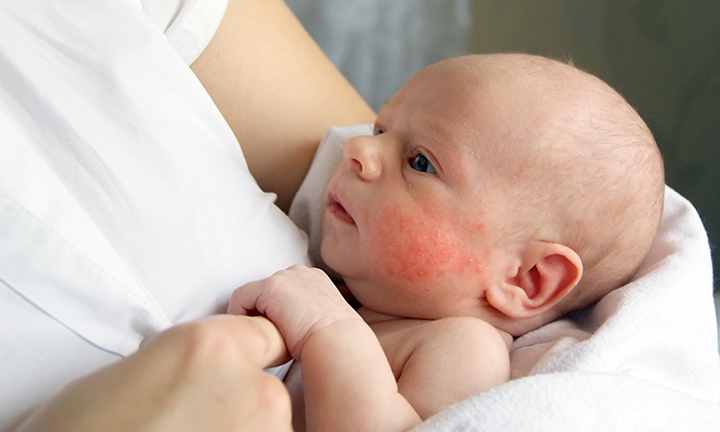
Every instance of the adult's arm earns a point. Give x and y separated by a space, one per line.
202 376
277 90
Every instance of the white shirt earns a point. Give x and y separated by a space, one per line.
126 205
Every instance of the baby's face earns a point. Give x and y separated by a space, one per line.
413 216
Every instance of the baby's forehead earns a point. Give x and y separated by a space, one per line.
494 108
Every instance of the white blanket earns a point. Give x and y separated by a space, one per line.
644 358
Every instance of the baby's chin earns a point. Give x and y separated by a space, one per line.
339 281
335 276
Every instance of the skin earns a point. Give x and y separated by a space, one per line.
186 379
363 371
277 90
418 246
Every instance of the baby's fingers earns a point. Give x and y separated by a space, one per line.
243 300
273 297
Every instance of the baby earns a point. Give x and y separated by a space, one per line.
497 194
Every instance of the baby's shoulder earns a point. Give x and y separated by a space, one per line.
445 342
445 330
437 363
465 336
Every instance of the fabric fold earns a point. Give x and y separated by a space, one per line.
70 287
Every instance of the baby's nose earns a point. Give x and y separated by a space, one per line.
361 154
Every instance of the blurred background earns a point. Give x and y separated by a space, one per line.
662 55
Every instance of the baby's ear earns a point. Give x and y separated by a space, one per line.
543 274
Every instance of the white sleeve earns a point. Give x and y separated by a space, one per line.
187 24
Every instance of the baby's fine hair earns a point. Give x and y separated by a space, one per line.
595 180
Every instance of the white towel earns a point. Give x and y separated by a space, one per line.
643 358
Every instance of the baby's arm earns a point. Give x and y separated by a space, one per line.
347 381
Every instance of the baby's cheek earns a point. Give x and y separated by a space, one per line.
422 246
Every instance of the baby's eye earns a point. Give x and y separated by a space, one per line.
377 130
422 164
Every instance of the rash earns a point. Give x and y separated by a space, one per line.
424 246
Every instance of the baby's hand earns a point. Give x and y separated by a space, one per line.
299 301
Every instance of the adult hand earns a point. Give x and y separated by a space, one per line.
201 376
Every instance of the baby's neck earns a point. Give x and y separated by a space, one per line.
372 317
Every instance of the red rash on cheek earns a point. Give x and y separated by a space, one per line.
415 246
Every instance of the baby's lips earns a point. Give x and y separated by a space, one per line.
337 209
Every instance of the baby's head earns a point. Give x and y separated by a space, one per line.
508 187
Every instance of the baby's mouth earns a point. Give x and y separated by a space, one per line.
337 210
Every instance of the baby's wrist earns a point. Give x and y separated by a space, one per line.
332 333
